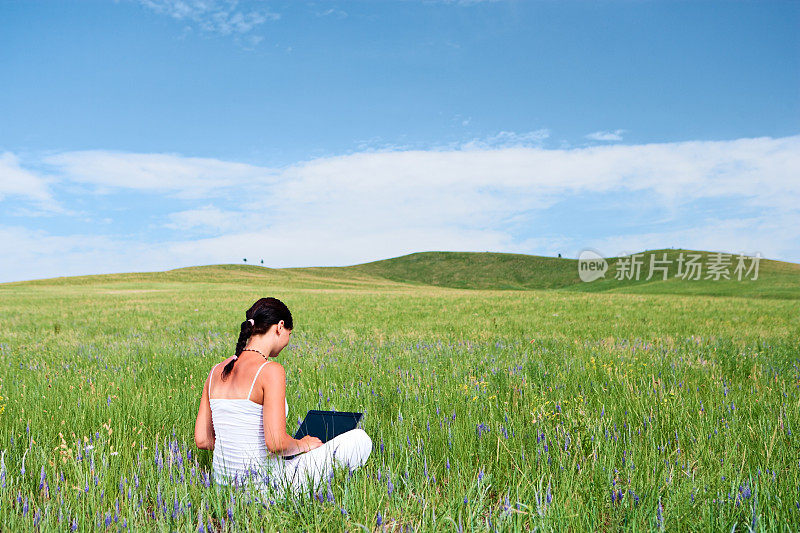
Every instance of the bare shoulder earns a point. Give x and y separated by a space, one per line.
217 368
274 371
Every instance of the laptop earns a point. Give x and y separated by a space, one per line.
325 425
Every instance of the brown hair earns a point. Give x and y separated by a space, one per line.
265 312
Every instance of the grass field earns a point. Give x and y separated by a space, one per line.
639 409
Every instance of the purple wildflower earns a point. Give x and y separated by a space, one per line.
660 515
744 490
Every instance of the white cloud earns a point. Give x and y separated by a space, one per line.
217 16
507 139
615 135
478 187
208 218
183 177
773 235
443 184
339 13
20 183
33 254
364 206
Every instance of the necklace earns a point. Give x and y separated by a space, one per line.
254 350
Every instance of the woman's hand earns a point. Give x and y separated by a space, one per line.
308 443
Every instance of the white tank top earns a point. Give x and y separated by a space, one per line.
239 447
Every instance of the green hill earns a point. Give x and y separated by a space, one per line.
476 270
488 270
469 270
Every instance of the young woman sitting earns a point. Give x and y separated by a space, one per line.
243 411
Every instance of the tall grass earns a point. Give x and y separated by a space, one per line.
488 410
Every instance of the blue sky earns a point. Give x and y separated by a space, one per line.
152 134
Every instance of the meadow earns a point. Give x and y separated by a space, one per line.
499 410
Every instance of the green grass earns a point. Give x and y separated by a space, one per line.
689 400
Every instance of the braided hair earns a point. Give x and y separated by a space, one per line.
264 313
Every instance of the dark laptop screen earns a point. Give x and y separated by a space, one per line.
326 425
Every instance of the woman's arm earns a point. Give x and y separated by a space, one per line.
273 380
204 435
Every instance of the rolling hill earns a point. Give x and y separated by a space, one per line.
488 270
474 270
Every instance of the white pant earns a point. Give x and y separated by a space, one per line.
350 449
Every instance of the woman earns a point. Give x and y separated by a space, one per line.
243 411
